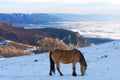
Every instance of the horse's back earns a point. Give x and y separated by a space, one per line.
65 56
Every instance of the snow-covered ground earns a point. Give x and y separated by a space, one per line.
4 42
103 64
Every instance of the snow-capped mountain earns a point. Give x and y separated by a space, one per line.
103 64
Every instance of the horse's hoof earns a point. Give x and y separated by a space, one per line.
82 74
61 74
74 74
50 74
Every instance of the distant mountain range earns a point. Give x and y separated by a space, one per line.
44 18
88 17
20 18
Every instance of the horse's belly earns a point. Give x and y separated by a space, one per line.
66 61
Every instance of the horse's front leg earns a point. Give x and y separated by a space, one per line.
58 68
74 69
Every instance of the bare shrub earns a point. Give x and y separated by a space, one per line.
72 46
49 44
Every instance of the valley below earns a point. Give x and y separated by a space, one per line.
96 32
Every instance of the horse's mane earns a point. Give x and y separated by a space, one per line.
82 56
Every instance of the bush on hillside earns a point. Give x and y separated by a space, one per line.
49 44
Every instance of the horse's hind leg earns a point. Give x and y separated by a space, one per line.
74 68
50 73
58 68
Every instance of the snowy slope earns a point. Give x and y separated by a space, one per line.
103 64
4 42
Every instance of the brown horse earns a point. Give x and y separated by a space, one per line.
66 57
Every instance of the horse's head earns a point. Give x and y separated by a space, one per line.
83 69
82 62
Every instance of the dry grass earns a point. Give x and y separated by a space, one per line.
11 51
14 49
20 45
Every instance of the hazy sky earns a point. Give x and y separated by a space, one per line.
61 6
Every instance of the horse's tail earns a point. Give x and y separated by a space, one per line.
52 64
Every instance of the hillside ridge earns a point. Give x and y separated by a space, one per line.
32 36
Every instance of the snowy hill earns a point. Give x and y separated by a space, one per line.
103 64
